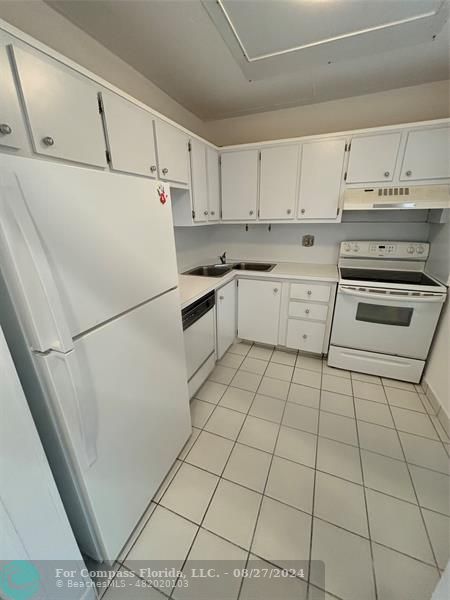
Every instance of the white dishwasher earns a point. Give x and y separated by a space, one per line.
199 340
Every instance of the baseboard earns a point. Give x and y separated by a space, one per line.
439 409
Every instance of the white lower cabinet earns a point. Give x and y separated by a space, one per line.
259 310
225 317
305 335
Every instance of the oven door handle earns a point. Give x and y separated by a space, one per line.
372 296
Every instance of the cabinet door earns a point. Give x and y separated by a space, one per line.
213 178
130 137
239 185
278 182
427 154
373 158
199 188
173 155
259 310
320 179
12 127
226 317
62 110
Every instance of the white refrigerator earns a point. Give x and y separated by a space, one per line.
90 307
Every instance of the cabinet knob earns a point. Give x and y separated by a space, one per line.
303 211
275 290
408 173
48 141
153 168
307 311
309 292
304 336
289 211
165 171
220 297
213 212
386 173
251 212
5 129
205 212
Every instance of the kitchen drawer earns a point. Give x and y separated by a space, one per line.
305 335
310 291
306 310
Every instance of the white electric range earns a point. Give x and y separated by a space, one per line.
387 309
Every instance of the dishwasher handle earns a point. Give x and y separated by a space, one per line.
197 310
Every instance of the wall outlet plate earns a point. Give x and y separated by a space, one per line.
308 241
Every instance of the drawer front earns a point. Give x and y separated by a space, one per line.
304 335
306 310
310 291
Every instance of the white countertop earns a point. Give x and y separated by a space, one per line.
193 287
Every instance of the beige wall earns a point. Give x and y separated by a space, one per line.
403 105
46 25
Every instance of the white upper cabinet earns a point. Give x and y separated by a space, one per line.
173 155
427 154
226 317
12 128
199 188
62 110
129 135
259 310
213 179
373 158
239 185
320 179
278 182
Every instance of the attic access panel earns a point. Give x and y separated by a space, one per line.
279 36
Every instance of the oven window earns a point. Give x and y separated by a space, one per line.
386 315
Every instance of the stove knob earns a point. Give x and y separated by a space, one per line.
420 249
356 248
347 247
410 250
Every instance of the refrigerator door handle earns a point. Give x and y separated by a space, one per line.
83 403
28 272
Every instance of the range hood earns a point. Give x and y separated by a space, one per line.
397 198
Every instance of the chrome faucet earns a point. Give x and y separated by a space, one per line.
223 258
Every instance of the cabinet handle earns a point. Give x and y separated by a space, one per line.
307 311
386 173
205 212
304 336
165 171
408 173
303 211
275 290
220 297
48 141
5 129
251 212
153 168
309 292
289 211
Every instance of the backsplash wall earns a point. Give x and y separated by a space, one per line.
196 245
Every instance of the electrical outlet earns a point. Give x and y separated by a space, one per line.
308 241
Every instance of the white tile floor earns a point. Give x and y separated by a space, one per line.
292 462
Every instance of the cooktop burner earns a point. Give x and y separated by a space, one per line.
385 276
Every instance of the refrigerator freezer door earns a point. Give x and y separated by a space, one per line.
121 401
107 238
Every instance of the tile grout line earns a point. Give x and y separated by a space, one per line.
314 492
416 495
365 497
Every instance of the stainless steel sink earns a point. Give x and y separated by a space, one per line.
210 270
251 266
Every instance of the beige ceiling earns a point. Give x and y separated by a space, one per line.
177 45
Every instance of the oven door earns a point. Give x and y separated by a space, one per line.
381 320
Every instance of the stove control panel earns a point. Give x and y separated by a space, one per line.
386 250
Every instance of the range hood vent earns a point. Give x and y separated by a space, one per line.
397 198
